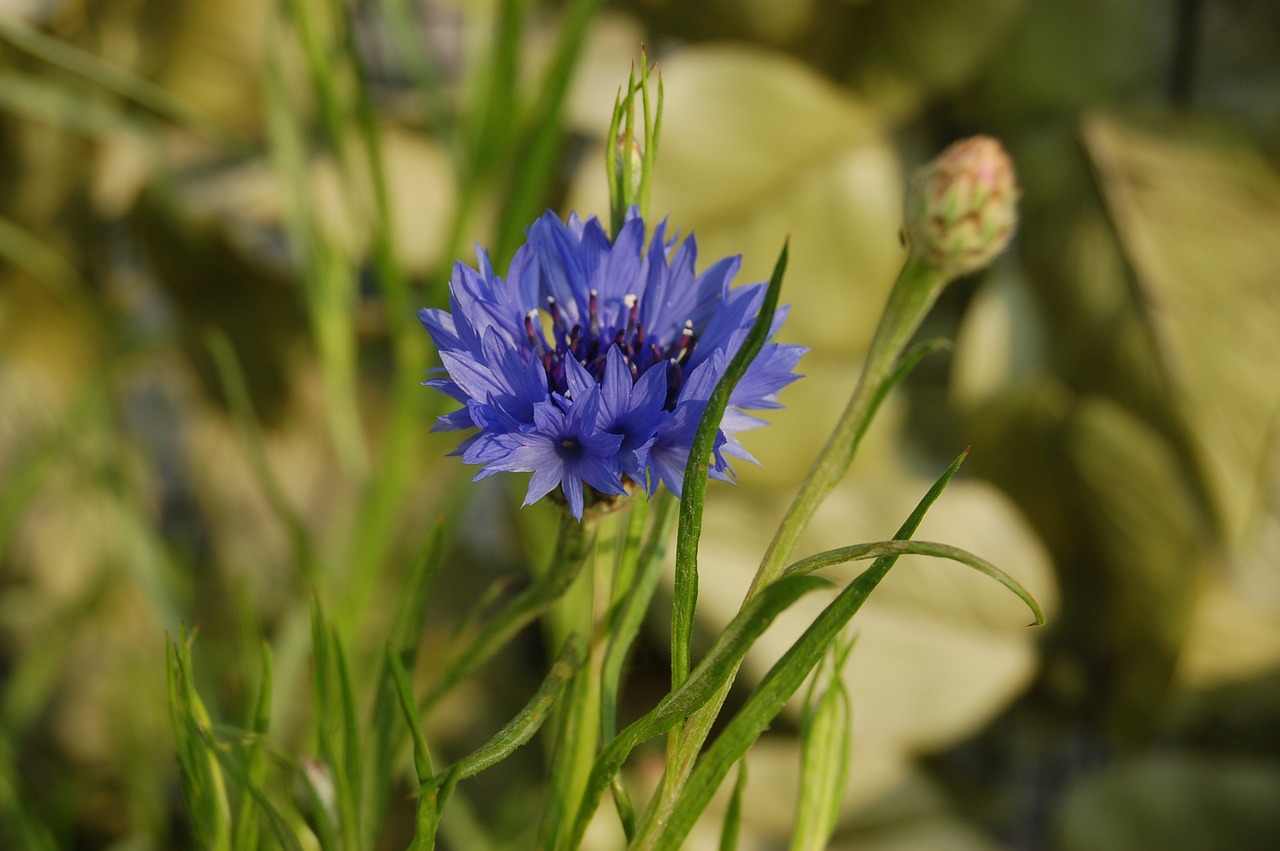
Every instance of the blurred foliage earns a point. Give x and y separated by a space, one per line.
216 219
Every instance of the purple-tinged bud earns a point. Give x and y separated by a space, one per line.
962 206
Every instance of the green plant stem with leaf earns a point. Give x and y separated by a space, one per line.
913 294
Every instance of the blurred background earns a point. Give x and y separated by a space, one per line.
218 217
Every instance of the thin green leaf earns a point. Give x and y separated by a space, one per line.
517 732
428 815
539 139
895 548
28 252
327 272
612 169
279 824
652 130
420 67
231 377
64 107
635 597
246 837
733 813
824 762
685 593
633 594
787 675
317 781
386 733
719 663
496 105
321 776
202 782
572 549
348 776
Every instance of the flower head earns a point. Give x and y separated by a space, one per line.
592 362
962 206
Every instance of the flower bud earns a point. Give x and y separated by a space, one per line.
962 206
629 156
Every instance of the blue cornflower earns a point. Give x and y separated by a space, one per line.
592 363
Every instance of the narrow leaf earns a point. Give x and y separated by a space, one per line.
733 813
787 674
280 825
572 548
246 836
386 733
824 764
409 706
520 729
685 593
719 663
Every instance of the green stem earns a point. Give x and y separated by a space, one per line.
579 728
914 292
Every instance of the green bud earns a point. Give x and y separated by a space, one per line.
962 207
630 169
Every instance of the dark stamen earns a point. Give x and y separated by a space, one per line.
558 326
533 335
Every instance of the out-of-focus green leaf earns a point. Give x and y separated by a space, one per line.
922 833
1140 512
18 823
756 21
1063 55
910 50
1234 634
1179 803
756 147
118 80
64 107
1197 208
825 735
1001 342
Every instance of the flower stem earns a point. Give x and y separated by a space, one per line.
913 294
583 610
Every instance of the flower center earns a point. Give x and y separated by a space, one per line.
589 346
569 449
